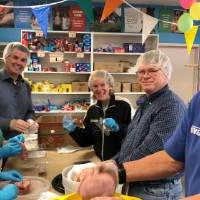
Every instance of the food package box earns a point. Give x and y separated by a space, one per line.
54 141
117 86
126 87
136 87
51 133
80 86
112 67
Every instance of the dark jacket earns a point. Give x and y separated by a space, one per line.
106 143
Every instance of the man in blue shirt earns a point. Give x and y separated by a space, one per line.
16 111
181 153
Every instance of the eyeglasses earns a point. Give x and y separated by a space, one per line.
150 72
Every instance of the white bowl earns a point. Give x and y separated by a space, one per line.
69 175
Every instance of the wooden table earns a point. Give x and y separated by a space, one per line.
55 163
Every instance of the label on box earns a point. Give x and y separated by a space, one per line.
39 33
40 54
56 57
80 55
72 34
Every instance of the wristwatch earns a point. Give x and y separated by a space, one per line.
121 173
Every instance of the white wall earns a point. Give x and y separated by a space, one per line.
184 79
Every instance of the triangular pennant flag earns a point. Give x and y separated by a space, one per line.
42 16
110 6
86 6
148 25
189 37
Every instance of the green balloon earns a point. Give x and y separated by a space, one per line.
185 23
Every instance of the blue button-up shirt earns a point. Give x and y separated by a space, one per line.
15 101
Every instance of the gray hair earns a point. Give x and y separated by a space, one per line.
157 58
14 45
101 74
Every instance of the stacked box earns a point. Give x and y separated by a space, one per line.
112 67
126 87
82 67
136 87
80 86
117 87
51 133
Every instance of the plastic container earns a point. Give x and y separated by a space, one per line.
37 187
74 196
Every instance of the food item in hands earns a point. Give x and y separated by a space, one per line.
24 154
23 186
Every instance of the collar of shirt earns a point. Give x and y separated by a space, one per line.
5 76
144 100
112 101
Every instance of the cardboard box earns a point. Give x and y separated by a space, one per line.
126 87
51 133
80 87
117 87
112 67
136 87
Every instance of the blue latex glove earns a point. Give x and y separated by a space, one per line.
111 124
9 192
10 149
11 175
17 139
69 124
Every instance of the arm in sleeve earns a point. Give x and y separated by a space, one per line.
162 126
83 136
123 124
175 146
30 114
4 123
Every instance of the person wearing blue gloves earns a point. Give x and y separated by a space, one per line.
156 118
11 148
106 121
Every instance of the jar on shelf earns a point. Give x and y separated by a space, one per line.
66 66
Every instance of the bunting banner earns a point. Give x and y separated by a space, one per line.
86 6
42 16
148 25
190 37
110 6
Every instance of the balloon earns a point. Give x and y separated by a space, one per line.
185 23
186 3
195 11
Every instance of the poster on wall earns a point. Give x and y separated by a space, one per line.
132 20
176 14
68 18
165 15
23 18
170 15
112 23
7 15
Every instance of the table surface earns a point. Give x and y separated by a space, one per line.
55 163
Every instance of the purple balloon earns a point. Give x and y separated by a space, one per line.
187 3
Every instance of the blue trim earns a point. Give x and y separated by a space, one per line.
13 34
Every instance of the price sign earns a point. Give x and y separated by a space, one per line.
72 34
40 54
39 33
56 57
80 55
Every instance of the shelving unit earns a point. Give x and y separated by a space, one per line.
105 47
2 46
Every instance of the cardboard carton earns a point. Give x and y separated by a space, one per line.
51 133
